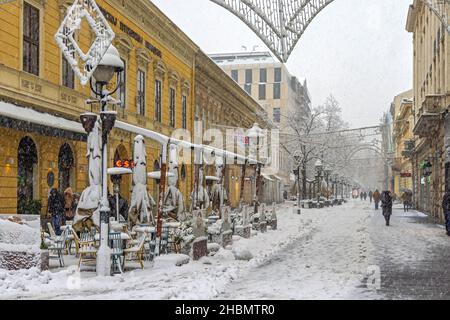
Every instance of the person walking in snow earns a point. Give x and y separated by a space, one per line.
376 199
370 196
446 208
407 200
386 204
56 209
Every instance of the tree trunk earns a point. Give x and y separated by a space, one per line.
304 194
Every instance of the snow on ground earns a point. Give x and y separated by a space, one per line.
321 254
330 262
163 280
19 238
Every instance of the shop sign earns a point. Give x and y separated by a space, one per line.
127 164
406 174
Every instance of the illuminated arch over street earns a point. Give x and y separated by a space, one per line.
281 23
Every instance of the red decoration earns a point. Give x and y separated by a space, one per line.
128 164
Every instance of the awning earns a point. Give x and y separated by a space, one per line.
47 120
12 111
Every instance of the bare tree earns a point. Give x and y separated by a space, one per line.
312 136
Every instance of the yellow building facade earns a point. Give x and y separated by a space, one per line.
403 118
40 152
431 43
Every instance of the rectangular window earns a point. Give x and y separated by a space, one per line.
248 76
141 93
31 39
263 76
248 88
158 88
235 75
172 111
277 75
68 75
262 92
184 111
277 90
122 82
276 115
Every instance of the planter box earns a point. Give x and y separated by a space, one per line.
45 261
244 232
273 224
262 227
224 238
19 260
199 248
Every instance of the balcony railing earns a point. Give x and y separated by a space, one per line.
430 115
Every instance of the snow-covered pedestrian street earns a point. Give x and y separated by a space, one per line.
331 253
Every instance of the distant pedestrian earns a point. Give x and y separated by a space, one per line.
56 209
446 207
376 199
386 204
370 196
407 200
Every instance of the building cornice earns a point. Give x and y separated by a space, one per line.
216 77
156 24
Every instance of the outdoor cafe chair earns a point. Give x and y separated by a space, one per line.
164 243
87 249
51 231
116 244
56 250
135 253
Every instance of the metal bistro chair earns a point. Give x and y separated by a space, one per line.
87 250
116 243
151 244
135 253
164 244
58 247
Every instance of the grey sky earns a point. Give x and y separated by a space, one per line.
357 50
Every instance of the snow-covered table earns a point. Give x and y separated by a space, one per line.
123 236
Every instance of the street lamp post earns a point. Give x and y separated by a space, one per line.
319 168
255 134
110 65
297 173
327 179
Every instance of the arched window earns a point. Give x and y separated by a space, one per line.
66 164
27 173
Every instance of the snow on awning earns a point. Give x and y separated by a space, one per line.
265 176
44 119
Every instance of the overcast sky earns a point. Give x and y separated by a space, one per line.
357 50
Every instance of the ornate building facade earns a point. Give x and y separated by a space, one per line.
403 122
41 100
223 105
431 158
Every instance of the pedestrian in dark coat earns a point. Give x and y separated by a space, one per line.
446 207
407 200
56 209
371 196
386 204
376 199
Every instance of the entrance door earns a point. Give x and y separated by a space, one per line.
27 179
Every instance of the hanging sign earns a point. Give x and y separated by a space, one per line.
84 63
127 164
